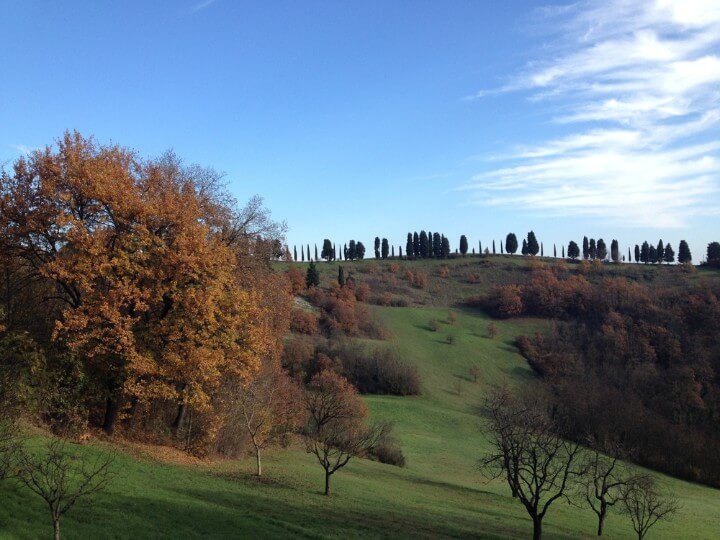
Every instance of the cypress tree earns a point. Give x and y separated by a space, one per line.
511 243
637 254
408 246
346 251
653 254
645 252
424 245
532 244
586 248
312 277
669 255
341 276
601 249
302 253
416 245
431 245
542 250
615 251
554 251
392 250
502 249
524 249
352 250
493 247
295 253
463 245
480 247
593 249
384 254
360 251
377 247
309 258
445 247
563 252
660 251
684 255
436 245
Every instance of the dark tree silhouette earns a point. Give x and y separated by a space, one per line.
638 254
384 250
533 247
445 247
602 251
645 506
312 277
463 245
524 249
592 249
424 245
327 250
341 276
660 251
525 450
416 245
511 243
409 246
377 247
360 251
713 253
585 248
615 251
573 250
684 255
645 253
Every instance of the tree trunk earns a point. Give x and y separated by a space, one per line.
601 524
257 457
179 418
56 528
111 414
327 483
537 529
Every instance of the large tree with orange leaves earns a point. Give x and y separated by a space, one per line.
162 279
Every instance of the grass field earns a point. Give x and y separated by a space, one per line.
438 494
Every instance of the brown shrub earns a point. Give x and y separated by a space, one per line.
304 322
444 271
362 292
297 280
393 268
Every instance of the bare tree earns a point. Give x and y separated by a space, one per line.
269 406
646 506
61 477
527 451
604 482
10 449
336 430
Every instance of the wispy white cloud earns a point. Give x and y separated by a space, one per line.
639 87
201 5
23 149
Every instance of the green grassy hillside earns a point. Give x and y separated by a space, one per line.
438 494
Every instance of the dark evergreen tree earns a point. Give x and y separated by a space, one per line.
586 248
436 245
592 249
463 245
352 250
573 250
424 245
400 248
445 247
392 251
377 247
511 243
615 251
684 255
479 247
502 249
542 250
341 276
326 252
554 251
637 254
409 246
416 245
524 249
660 251
532 244
312 277
346 252
385 248
713 254
431 245
493 247
653 254
360 251
563 251
669 255
295 253
629 256
645 252
302 253
601 249
316 252
309 258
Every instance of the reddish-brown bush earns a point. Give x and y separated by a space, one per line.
304 322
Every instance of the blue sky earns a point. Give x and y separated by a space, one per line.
357 119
